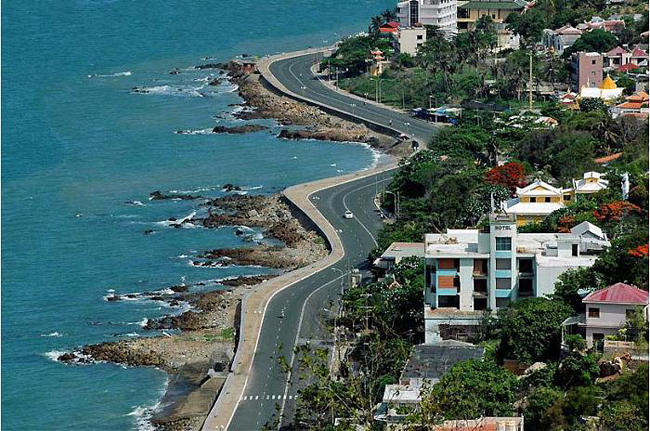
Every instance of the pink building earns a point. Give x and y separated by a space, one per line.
586 70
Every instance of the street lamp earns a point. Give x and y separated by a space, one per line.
380 83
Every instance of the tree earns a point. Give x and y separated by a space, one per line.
471 389
531 329
577 370
538 405
621 415
389 15
593 104
511 175
631 387
596 40
375 23
573 281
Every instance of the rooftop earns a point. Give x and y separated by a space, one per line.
433 361
619 293
404 249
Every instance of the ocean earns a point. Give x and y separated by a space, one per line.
81 152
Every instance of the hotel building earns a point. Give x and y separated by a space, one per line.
468 271
439 13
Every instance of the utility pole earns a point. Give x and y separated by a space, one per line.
530 82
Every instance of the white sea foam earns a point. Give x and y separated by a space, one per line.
170 223
53 355
168 90
109 75
251 187
143 322
142 414
132 334
194 132
52 334
135 203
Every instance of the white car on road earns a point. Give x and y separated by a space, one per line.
348 214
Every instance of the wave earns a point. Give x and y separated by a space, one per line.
53 355
168 90
176 222
53 334
110 75
195 132
142 414
135 203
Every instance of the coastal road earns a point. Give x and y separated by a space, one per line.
295 315
295 74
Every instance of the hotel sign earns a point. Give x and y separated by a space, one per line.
502 227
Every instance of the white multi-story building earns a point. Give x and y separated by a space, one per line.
439 13
409 39
468 271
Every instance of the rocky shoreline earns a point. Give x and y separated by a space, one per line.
265 104
196 346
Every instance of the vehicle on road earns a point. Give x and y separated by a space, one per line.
348 214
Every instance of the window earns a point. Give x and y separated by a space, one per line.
525 287
503 283
504 264
526 266
480 304
419 37
547 199
574 249
415 12
567 198
593 62
533 199
504 243
594 312
503 302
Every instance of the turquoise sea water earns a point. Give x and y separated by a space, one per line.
77 145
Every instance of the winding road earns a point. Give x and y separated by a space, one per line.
294 315
295 75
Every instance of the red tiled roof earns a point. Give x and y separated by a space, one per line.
636 114
627 67
638 52
619 293
616 51
631 105
392 24
608 159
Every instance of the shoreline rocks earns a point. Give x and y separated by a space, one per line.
248 128
159 196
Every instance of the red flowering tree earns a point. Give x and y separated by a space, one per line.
640 251
615 211
511 175
565 223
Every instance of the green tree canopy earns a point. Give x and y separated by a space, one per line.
471 389
530 329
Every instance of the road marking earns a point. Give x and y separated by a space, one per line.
256 397
268 301
295 343
356 218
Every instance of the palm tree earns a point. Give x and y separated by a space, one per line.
375 23
389 15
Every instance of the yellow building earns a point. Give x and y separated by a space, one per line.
608 91
539 199
470 11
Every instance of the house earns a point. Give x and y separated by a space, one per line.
389 27
468 271
608 91
439 13
606 310
498 10
639 57
535 201
426 366
636 104
591 182
409 39
586 70
562 38
569 100
396 252
539 199
616 57
597 23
